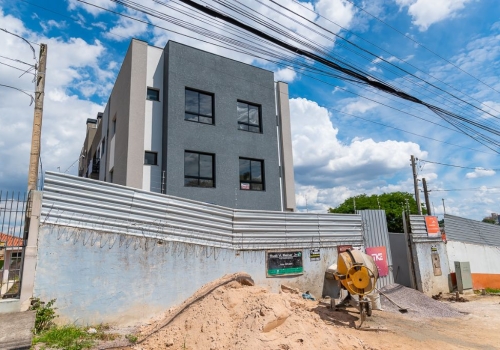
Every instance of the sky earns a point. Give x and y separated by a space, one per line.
347 139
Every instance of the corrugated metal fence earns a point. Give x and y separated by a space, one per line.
103 207
376 234
471 231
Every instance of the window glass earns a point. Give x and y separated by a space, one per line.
244 169
153 94
191 161
150 158
205 105
206 166
198 169
199 107
253 115
251 174
192 101
248 117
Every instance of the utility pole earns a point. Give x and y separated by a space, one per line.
426 195
37 120
444 208
415 184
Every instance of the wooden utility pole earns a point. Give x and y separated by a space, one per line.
37 120
426 195
415 184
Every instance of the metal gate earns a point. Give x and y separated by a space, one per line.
12 220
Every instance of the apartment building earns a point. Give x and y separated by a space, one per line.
188 123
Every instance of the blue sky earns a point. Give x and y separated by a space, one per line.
341 147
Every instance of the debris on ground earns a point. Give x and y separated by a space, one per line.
230 315
417 303
453 298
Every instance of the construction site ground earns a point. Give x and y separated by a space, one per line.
227 314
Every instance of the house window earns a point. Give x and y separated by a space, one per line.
251 174
199 107
199 169
150 158
249 117
153 94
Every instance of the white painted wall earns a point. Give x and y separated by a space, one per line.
426 281
112 153
482 258
121 279
153 120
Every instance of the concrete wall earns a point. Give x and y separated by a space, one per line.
427 282
153 120
127 105
121 279
229 81
484 263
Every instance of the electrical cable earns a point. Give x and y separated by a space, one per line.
457 166
423 46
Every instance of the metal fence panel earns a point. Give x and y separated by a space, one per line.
12 243
98 206
471 231
376 234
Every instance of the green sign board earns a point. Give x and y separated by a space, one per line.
284 263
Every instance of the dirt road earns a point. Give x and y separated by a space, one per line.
478 329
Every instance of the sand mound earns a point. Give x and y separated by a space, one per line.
418 304
229 314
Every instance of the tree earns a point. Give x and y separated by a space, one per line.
393 203
489 220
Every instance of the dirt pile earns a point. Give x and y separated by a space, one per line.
227 314
418 304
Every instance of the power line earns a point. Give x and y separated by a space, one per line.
26 40
477 189
19 61
423 46
405 131
457 166
24 92
20 69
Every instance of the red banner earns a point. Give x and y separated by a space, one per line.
379 255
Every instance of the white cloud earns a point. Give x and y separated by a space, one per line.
71 65
286 74
321 159
74 4
480 172
359 106
427 12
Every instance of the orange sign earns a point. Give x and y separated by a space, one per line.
432 226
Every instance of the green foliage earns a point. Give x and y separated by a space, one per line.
393 203
45 314
131 338
493 290
489 220
66 337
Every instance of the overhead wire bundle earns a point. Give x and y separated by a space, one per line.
234 25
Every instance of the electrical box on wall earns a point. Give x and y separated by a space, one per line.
436 262
464 276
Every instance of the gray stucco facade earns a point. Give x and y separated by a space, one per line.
229 81
128 136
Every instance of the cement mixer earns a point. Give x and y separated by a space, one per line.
357 274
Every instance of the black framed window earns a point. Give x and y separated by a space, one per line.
199 169
251 174
150 158
249 117
153 94
199 107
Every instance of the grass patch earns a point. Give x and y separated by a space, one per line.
493 290
65 337
72 337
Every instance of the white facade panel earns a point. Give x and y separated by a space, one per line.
112 153
153 116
